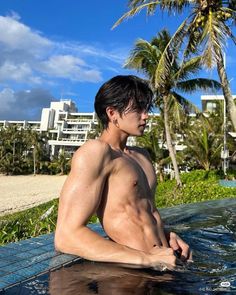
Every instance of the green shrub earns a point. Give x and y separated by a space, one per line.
28 223
198 186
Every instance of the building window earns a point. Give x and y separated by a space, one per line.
211 106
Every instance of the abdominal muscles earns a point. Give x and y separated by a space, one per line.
126 211
134 226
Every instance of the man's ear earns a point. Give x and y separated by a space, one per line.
111 113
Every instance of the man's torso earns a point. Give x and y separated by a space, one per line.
126 208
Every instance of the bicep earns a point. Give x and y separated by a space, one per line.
79 198
81 193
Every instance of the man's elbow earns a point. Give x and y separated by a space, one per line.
65 242
61 240
58 242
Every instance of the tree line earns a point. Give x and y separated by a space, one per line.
26 151
201 136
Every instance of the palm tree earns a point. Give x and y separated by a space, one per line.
159 62
204 143
64 161
61 164
207 28
37 144
97 130
12 149
16 154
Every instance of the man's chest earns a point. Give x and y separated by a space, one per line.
129 186
133 175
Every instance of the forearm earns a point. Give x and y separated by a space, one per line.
89 245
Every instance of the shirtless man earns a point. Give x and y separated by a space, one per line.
118 184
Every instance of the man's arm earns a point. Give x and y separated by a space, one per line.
79 200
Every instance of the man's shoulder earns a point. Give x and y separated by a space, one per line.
92 150
95 144
92 158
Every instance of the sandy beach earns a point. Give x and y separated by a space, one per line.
21 192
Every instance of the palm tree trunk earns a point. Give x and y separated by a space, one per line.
159 169
161 175
34 159
230 105
169 141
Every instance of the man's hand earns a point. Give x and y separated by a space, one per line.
179 246
161 258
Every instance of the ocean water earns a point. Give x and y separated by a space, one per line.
208 227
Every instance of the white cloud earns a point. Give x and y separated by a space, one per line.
20 50
62 65
17 36
26 56
71 67
28 59
15 72
116 54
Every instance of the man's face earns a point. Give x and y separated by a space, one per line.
133 122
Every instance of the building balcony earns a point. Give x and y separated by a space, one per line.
67 142
74 131
79 120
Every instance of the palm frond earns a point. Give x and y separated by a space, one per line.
135 11
169 56
213 30
188 67
231 13
227 29
193 33
186 104
198 84
202 145
169 5
144 57
214 36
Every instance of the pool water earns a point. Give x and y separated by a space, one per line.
208 227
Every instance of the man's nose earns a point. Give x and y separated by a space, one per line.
145 115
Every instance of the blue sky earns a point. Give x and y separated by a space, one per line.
66 49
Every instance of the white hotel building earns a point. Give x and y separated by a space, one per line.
209 104
68 129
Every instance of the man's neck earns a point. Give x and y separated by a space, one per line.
116 140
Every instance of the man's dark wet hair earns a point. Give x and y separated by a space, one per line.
121 92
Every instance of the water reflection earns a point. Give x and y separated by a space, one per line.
105 279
